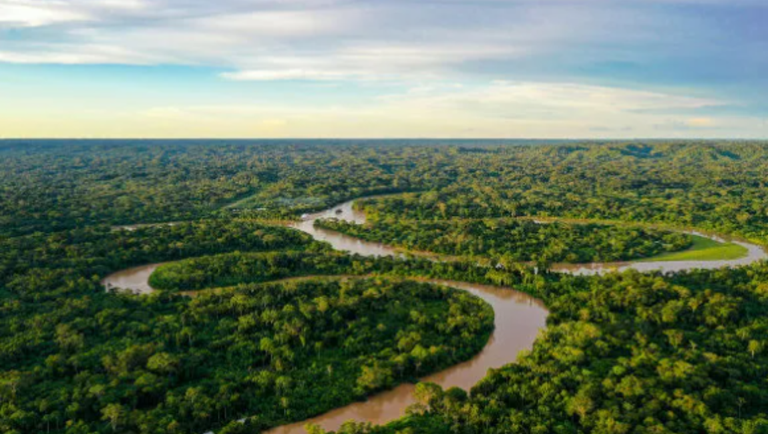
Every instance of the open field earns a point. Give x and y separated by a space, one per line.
704 249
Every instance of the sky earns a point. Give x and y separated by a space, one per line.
384 68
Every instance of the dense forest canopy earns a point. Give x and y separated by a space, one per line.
627 353
282 351
47 186
509 240
74 355
622 353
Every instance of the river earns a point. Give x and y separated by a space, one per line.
754 253
518 317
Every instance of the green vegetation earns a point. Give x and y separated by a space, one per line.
50 186
95 251
628 353
622 353
235 268
511 240
231 269
250 350
705 249
53 185
626 350
77 359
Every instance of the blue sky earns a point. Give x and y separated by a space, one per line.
329 68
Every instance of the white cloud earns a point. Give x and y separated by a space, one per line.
323 38
367 37
548 100
417 48
277 24
287 74
78 54
500 109
35 13
370 62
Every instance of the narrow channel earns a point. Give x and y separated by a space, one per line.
518 317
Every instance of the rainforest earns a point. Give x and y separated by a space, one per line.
383 286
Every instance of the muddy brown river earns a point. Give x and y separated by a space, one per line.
518 318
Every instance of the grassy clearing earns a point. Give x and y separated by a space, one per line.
704 249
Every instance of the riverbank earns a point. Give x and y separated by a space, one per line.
704 249
519 317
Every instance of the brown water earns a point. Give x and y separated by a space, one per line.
340 241
518 318
135 280
754 253
346 243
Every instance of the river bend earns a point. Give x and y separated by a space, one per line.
518 316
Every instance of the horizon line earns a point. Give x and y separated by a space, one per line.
578 139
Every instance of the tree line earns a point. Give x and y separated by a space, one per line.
623 353
51 186
513 240
78 359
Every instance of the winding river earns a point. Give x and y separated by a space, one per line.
518 317
754 253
